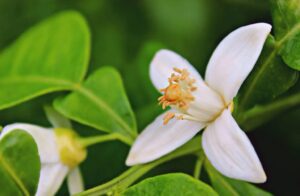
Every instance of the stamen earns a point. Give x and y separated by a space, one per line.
168 117
178 93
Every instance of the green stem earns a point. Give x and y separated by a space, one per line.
263 113
198 166
88 141
120 183
124 139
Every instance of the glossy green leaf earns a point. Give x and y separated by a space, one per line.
170 184
50 56
101 102
230 187
19 164
270 78
286 19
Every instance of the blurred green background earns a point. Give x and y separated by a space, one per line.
124 33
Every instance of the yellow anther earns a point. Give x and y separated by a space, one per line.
179 91
70 149
177 70
168 117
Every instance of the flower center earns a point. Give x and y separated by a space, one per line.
173 93
70 150
178 93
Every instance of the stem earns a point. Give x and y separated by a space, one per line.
198 166
263 113
124 139
120 183
88 141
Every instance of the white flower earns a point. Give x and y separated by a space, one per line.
197 104
52 145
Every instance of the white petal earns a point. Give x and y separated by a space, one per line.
234 59
230 151
75 181
51 177
45 139
157 139
207 103
162 66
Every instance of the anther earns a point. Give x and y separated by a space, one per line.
168 117
178 92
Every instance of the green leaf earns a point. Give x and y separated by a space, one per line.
286 19
170 184
270 78
50 56
101 102
19 164
226 186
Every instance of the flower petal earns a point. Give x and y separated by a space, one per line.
230 151
157 139
206 105
75 181
45 139
162 66
234 59
51 177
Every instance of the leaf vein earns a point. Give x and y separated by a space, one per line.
13 175
102 105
